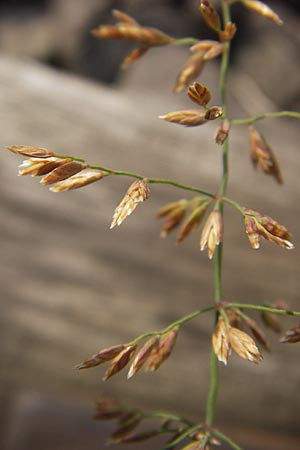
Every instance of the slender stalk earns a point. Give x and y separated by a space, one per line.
226 439
214 370
140 177
250 120
282 312
185 41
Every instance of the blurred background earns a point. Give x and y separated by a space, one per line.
70 286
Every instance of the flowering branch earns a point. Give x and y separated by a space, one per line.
276 114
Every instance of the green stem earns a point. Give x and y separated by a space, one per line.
214 369
185 41
227 439
282 312
141 177
250 120
175 324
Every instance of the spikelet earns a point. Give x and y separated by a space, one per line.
258 225
137 192
220 341
128 29
188 118
193 220
192 68
65 170
199 94
33 152
101 357
291 336
211 49
162 351
228 33
210 15
262 9
120 361
40 166
80 179
212 233
142 356
244 345
222 132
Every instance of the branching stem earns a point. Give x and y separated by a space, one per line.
276 114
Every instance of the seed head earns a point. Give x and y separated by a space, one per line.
262 155
33 152
220 341
212 233
258 225
40 166
62 172
101 357
262 9
210 15
244 345
190 71
142 356
107 409
222 132
188 118
228 33
199 94
137 193
161 351
120 361
193 220
291 336
211 49
80 179
214 112
129 29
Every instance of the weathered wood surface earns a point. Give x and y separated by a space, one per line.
70 286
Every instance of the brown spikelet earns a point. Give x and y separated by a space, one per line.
161 351
101 357
210 15
291 336
228 33
262 9
80 179
188 118
211 49
244 345
142 356
173 219
262 155
199 94
192 222
220 341
33 152
258 225
123 17
120 361
170 207
129 29
222 132
62 172
137 193
190 71
40 166
133 56
214 112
